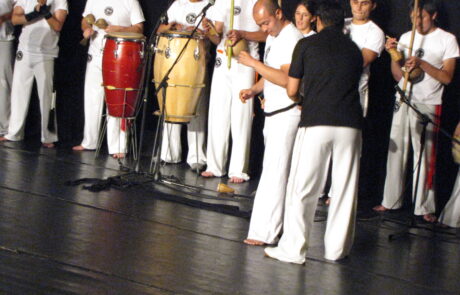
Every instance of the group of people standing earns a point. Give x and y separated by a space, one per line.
314 78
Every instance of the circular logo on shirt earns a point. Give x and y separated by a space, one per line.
237 10
191 18
108 11
420 53
19 55
218 62
90 57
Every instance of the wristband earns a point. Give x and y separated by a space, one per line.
32 15
48 15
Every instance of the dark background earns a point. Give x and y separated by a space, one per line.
391 15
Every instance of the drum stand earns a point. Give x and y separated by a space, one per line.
425 120
130 129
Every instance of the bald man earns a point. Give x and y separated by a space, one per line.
281 122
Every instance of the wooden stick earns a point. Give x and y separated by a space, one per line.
229 48
412 37
399 43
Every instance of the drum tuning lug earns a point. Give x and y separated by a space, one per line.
196 53
168 52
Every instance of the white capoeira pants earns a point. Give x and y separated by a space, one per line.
26 69
313 149
267 212
6 78
94 102
450 215
171 149
405 132
229 116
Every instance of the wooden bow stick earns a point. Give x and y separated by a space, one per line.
411 44
229 47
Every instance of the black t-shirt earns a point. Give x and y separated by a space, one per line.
331 65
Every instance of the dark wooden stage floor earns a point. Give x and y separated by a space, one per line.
59 239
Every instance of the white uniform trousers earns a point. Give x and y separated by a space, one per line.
450 215
94 102
171 149
6 78
228 115
314 147
406 131
25 70
267 212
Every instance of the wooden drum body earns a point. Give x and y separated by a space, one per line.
186 80
122 70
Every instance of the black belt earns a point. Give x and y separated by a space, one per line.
281 110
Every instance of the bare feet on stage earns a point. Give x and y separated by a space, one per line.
79 148
429 218
48 145
380 208
235 179
207 174
3 139
254 242
118 156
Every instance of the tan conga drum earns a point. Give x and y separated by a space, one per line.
187 79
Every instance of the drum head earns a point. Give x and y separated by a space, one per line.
181 34
125 36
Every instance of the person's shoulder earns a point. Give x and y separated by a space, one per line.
291 32
444 34
375 28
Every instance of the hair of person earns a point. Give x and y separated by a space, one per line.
430 6
331 14
310 5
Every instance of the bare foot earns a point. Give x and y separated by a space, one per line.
380 208
429 218
118 156
254 242
235 179
48 145
207 174
4 139
78 148
328 201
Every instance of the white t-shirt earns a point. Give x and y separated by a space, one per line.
37 37
6 28
115 12
434 48
243 20
368 36
185 12
278 52
311 33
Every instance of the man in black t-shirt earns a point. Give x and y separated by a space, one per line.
330 128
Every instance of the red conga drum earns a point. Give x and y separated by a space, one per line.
122 66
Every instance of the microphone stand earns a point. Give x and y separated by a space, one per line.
425 120
163 85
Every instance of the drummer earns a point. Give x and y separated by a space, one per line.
183 16
120 16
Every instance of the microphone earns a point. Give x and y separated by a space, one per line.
205 9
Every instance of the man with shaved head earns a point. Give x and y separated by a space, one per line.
281 122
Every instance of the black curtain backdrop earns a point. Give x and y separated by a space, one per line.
391 15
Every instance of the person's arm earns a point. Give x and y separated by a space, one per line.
56 20
368 56
276 76
237 35
292 88
257 88
396 70
443 75
87 29
214 31
136 28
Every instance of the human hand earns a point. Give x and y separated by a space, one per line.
246 94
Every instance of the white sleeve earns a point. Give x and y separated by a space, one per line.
137 16
60 5
289 46
173 12
375 41
88 8
217 12
452 50
20 3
